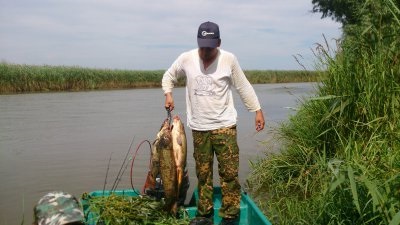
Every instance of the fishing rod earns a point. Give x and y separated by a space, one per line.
108 168
123 163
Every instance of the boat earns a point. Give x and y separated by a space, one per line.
250 214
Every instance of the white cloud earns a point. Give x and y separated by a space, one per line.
123 34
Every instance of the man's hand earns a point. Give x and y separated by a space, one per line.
260 122
169 101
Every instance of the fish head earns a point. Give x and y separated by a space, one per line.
164 135
177 123
165 125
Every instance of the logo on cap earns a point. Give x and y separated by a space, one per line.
205 33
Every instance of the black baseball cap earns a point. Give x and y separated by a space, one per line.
208 35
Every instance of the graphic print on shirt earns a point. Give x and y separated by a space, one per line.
204 86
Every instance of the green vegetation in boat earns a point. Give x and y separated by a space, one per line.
130 207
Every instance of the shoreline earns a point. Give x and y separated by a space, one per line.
17 78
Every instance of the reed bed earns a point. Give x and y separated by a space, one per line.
15 78
340 156
30 78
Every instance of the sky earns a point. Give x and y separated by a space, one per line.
151 34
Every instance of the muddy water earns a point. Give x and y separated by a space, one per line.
63 141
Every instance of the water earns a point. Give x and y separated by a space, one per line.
63 141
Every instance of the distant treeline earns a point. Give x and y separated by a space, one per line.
16 78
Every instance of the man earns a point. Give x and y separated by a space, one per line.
211 73
58 208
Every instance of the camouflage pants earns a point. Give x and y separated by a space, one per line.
222 142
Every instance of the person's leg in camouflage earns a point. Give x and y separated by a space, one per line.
227 151
224 143
204 156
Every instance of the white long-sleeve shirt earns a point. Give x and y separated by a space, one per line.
209 100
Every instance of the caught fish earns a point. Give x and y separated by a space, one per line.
164 147
168 161
152 184
179 146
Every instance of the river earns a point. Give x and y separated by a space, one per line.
63 141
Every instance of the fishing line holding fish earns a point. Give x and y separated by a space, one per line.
169 116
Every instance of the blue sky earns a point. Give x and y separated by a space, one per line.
146 35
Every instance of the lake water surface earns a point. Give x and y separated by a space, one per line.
63 141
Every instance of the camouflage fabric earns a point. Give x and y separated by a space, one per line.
222 142
58 208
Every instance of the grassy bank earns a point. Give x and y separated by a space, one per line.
340 156
30 78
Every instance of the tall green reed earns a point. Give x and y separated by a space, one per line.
29 78
339 162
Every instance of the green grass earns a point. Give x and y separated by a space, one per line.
124 210
16 78
340 153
